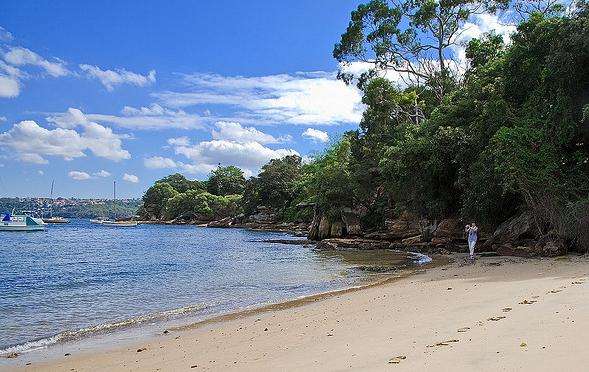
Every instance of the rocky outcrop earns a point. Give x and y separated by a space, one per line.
344 225
352 244
225 222
517 232
448 231
548 246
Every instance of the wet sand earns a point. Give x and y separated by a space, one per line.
499 314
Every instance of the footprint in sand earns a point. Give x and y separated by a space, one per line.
496 318
443 343
527 302
397 359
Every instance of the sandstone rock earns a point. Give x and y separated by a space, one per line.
224 222
448 230
412 240
352 244
351 222
336 230
551 246
407 225
324 228
514 230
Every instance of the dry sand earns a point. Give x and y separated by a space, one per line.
501 314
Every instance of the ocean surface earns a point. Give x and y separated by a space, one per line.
76 280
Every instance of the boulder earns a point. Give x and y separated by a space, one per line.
324 229
514 230
448 230
407 225
337 229
351 222
412 240
547 246
224 222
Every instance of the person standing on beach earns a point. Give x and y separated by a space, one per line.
472 231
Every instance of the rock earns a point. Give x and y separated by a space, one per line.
352 244
551 246
412 240
351 222
336 230
407 225
324 229
224 222
514 230
448 230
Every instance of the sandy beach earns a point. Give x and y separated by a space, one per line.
501 314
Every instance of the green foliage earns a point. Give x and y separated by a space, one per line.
181 184
155 199
276 183
201 205
226 181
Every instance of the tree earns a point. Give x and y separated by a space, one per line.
155 199
226 181
181 184
277 181
414 38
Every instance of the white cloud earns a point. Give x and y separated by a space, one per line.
79 176
32 158
2 118
179 141
158 162
481 24
303 98
235 132
32 142
130 178
19 56
145 118
248 156
9 87
5 35
316 135
112 78
40 172
101 173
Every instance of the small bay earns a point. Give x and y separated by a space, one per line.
79 279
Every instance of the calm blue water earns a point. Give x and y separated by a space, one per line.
79 279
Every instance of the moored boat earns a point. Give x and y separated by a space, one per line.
56 219
120 223
99 220
20 222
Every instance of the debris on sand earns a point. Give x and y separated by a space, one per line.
527 302
443 343
506 309
463 329
141 349
397 359
496 318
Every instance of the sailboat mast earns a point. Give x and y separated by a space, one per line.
51 196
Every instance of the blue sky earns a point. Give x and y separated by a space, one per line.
91 92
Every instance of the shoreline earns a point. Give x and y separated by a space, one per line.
356 327
68 339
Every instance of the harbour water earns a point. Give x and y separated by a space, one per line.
80 279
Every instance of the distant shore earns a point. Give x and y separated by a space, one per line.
503 313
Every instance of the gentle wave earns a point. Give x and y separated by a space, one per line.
99 329
420 258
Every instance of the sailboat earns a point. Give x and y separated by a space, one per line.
51 218
114 222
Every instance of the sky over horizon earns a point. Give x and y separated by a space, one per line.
133 91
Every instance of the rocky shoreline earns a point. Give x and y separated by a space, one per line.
515 237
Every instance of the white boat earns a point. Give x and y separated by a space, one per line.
99 220
119 223
114 222
20 222
52 218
